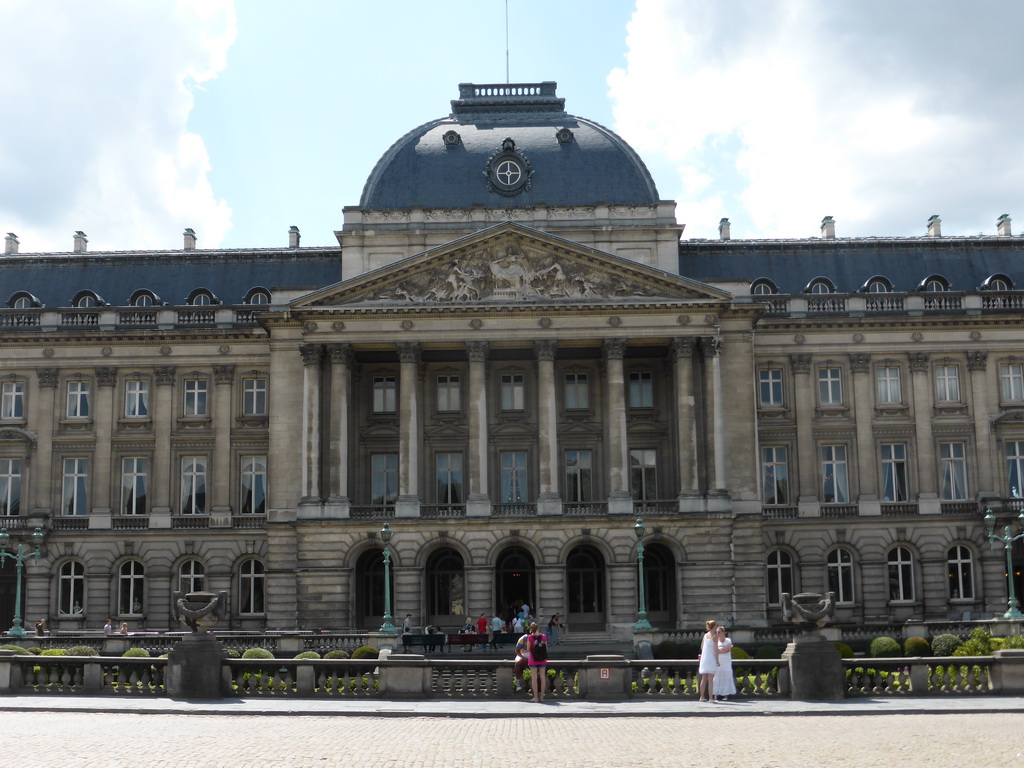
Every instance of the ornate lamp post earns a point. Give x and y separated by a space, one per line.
19 557
642 624
389 620
1007 538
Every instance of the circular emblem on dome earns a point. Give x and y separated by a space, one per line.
452 138
508 171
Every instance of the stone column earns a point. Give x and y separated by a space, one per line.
681 350
548 502
977 366
803 407
43 412
927 472
220 507
711 347
478 502
619 498
163 420
341 407
867 456
103 416
408 501
312 359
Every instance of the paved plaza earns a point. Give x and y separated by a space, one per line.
85 733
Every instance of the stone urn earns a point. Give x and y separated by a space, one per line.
199 610
808 608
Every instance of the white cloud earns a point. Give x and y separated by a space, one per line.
95 101
877 113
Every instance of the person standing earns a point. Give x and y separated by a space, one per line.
555 629
538 662
708 662
407 624
725 681
108 628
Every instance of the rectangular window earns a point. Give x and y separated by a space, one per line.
449 478
579 478
10 487
894 472
134 483
12 402
643 474
78 400
887 380
641 389
775 474
513 392
1015 468
1011 378
449 394
835 485
385 394
830 386
947 384
254 397
195 397
577 392
193 485
953 460
769 382
136 399
74 494
514 487
383 478
254 485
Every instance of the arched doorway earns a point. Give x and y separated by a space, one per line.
660 586
446 589
369 589
8 582
585 590
514 582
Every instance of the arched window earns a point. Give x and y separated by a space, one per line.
514 580
142 299
251 592
584 575
131 588
763 287
201 300
840 574
877 284
71 589
901 575
258 296
934 284
192 577
961 573
779 566
86 299
821 285
659 585
446 587
997 283
23 300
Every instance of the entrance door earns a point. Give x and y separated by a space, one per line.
369 575
585 592
514 582
8 579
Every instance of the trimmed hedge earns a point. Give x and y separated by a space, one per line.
916 646
768 652
338 654
365 652
845 651
17 649
135 652
945 645
739 653
883 648
257 653
307 655
82 650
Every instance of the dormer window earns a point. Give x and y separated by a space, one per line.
935 284
821 286
763 287
997 283
202 298
143 298
258 296
86 299
877 285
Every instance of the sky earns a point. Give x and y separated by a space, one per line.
132 120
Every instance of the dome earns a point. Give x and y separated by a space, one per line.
508 145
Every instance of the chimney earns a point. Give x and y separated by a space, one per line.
11 243
190 239
828 228
81 242
723 229
293 236
934 226
1002 226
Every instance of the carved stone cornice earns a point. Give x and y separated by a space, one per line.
408 351
47 377
477 351
546 349
312 354
340 354
918 361
800 363
224 374
860 362
711 346
614 349
164 375
977 360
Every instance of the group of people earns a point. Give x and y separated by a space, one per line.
717 682
108 628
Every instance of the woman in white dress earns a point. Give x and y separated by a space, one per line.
725 681
708 661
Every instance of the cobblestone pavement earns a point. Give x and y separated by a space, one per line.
102 740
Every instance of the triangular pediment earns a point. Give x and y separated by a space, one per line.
511 263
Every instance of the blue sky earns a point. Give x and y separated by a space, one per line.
239 118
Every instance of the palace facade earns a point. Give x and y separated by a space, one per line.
512 355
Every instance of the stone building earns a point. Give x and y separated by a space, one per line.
510 356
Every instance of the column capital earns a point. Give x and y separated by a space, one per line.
860 362
164 375
47 377
801 363
224 374
614 349
408 351
977 360
681 347
918 360
312 354
545 349
340 354
711 346
477 351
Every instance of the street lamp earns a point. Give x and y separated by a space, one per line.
642 624
1013 612
19 558
389 621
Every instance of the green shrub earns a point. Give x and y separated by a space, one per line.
845 651
365 652
884 648
338 654
1013 641
35 650
55 652
978 644
135 652
768 652
916 646
257 653
17 649
307 655
232 653
739 653
82 650
944 645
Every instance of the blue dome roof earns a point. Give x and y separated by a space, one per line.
508 145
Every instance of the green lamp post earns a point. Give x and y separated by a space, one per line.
389 621
19 557
642 624
1012 612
